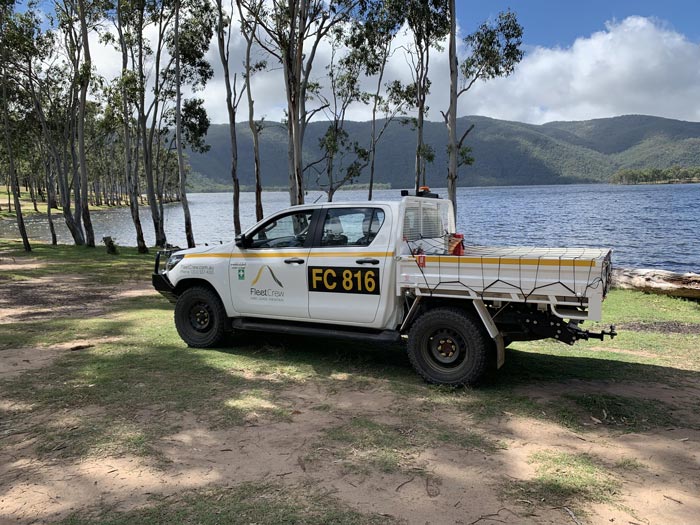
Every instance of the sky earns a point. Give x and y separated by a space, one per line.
582 61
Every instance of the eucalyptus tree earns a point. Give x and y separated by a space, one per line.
148 56
371 37
51 84
189 45
77 20
10 95
233 98
493 51
249 30
126 94
343 159
291 32
429 24
90 13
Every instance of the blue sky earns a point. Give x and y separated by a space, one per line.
583 60
557 23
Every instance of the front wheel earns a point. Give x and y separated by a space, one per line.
200 317
447 346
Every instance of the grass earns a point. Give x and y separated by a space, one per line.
95 265
564 479
259 503
363 445
126 391
96 436
623 412
242 383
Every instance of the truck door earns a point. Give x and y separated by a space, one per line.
268 276
346 269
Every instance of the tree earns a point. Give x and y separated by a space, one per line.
7 37
125 24
344 78
249 30
292 31
233 98
428 21
51 84
88 15
189 48
494 51
371 38
150 112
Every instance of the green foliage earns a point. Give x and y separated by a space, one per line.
672 175
195 124
494 49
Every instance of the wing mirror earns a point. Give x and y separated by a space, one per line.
242 241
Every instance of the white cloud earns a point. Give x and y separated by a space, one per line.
637 65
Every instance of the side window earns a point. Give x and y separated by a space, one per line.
288 231
351 226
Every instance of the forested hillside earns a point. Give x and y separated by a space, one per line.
506 153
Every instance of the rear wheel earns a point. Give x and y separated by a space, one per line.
447 346
200 317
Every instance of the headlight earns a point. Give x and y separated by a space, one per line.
173 260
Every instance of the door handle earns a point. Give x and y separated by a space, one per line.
367 261
294 260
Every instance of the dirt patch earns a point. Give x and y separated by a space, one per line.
67 296
662 327
448 484
9 264
14 361
672 395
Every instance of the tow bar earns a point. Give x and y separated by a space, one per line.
586 334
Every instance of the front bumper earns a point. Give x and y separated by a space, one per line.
160 280
163 286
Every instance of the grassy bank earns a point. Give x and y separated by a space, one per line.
348 420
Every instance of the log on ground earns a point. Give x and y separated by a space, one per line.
658 281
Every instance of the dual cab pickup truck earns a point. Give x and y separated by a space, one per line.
385 271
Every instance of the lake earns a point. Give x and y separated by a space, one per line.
653 226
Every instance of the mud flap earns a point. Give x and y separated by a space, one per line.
493 331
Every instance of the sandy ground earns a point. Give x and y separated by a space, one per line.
456 486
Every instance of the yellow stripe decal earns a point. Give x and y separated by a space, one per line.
351 254
266 255
442 259
510 261
206 255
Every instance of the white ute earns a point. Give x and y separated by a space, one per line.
380 271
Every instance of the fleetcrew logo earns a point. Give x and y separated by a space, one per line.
269 293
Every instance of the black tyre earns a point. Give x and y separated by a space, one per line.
200 317
447 346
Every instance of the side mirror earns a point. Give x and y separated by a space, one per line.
242 241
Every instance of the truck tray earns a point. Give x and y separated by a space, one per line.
573 281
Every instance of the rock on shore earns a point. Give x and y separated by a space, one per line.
658 281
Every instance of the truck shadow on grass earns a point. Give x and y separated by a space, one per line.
228 384
626 396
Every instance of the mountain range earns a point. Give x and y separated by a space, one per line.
505 153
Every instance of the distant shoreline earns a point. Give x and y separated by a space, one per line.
656 182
